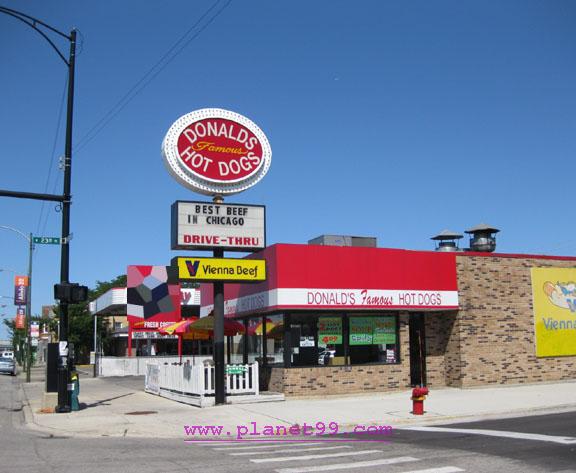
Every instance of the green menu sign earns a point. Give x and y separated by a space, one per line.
329 331
384 331
361 330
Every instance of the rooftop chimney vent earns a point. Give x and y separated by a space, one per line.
482 238
447 240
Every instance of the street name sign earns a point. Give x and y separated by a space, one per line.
46 240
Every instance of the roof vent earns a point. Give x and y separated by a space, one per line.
343 240
482 238
447 240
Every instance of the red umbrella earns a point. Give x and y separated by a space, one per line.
178 328
206 324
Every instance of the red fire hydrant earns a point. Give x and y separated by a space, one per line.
418 396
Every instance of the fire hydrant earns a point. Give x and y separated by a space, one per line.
418 396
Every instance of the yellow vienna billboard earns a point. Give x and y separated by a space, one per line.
221 269
554 297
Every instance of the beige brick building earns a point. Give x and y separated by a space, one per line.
488 338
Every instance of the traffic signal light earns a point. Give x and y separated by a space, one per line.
71 293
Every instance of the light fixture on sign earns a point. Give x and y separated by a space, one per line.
216 152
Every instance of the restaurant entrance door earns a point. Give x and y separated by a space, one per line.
417 350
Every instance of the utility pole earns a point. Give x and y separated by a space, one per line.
65 199
63 371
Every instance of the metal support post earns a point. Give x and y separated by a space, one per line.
63 372
218 356
29 309
219 366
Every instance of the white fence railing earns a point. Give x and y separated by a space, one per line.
198 380
136 365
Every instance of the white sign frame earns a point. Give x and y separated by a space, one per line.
201 233
202 184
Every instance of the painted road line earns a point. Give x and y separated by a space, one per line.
291 450
348 466
273 445
314 457
442 469
499 433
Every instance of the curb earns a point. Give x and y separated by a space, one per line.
26 409
29 419
465 418
517 413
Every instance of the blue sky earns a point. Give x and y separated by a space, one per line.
393 119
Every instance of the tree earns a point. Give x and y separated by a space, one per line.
81 322
18 337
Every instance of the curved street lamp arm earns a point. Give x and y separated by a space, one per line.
15 230
32 22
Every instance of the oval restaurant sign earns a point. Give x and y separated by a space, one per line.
216 152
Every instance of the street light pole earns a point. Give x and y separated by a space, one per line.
28 297
65 198
29 309
63 373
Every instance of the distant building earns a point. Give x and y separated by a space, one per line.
137 339
48 312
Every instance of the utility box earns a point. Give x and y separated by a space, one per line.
344 240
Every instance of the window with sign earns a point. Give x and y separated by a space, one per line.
323 340
373 339
303 337
331 341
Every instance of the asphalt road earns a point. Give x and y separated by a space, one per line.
539 443
404 451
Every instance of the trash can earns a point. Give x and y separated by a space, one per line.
74 403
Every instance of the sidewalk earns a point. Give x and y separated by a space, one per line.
120 407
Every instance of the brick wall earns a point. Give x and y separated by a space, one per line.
440 328
495 325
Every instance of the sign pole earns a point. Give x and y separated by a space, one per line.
29 310
218 352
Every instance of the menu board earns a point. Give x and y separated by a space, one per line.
329 331
372 331
361 330
384 331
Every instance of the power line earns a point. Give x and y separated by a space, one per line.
49 175
152 73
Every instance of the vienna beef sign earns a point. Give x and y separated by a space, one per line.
216 152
